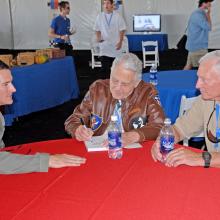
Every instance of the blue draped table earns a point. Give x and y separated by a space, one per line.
171 86
42 86
135 41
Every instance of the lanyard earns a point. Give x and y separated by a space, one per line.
217 111
108 21
117 112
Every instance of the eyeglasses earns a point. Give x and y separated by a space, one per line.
209 134
116 82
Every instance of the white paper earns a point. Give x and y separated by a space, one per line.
96 144
134 145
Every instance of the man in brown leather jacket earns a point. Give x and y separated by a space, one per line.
141 114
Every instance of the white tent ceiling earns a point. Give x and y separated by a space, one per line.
25 26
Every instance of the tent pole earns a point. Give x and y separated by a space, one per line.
12 29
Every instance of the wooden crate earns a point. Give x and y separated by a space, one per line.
58 53
25 58
47 52
52 53
7 59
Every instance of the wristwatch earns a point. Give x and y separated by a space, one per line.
207 158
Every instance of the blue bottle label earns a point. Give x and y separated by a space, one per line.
114 139
153 76
166 144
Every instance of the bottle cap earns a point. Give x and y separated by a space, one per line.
153 68
114 118
167 121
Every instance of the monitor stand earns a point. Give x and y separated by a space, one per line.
147 32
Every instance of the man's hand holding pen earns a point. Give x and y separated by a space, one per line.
83 133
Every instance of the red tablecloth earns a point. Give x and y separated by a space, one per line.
134 187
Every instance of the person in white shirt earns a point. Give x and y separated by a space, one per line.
110 29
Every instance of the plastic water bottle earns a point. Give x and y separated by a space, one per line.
153 74
114 139
166 138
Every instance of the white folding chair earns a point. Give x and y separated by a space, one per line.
94 55
185 105
95 52
150 48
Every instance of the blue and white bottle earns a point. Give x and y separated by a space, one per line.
153 74
166 138
114 139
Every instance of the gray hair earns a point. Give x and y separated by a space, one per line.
212 55
130 62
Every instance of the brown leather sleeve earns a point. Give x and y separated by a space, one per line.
98 100
81 111
155 118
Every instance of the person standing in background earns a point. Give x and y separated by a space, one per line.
60 29
110 29
198 29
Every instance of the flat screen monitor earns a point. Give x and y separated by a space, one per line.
147 23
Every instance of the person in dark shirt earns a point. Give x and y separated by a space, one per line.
60 29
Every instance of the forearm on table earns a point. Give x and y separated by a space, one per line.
215 161
148 133
196 159
16 163
177 134
82 111
71 126
130 137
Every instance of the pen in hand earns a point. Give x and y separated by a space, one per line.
86 133
82 123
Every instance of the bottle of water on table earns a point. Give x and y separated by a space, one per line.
166 138
153 74
114 139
